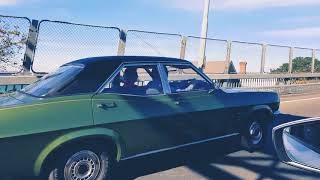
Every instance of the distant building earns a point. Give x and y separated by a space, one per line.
218 67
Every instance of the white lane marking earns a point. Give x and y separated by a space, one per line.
298 100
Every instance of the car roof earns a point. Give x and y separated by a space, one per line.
117 60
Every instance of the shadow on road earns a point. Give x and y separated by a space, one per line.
209 162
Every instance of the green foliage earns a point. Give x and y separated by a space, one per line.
299 64
12 43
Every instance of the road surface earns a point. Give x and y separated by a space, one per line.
197 165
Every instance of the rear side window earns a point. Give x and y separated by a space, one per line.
141 80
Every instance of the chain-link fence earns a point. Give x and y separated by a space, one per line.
61 42
142 43
216 53
47 45
247 54
13 37
277 59
302 60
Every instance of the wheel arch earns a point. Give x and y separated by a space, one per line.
54 146
262 109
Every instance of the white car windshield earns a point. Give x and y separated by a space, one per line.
53 81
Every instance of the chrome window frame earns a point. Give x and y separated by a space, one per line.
125 64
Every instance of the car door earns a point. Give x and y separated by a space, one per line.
134 104
203 112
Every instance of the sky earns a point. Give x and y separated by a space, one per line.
283 22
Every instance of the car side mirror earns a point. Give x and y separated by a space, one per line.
298 143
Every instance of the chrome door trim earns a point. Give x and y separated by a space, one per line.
177 147
164 79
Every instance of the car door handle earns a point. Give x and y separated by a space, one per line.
107 105
177 103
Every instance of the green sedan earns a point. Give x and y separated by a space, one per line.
77 122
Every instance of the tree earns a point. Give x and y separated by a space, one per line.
12 44
299 64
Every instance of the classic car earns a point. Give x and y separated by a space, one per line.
77 122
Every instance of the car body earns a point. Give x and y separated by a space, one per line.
88 101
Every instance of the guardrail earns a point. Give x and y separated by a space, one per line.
13 83
283 84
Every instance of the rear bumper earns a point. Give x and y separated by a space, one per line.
277 112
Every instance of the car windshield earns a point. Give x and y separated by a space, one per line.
53 82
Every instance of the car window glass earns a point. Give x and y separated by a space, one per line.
136 80
183 78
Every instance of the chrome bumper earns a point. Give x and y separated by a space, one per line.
277 112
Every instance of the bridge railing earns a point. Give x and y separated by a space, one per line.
45 45
41 46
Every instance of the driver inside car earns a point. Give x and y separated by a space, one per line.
154 87
130 78
185 85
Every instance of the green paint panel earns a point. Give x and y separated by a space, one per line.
31 128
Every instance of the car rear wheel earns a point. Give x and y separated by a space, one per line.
81 164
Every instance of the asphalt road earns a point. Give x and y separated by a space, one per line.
196 164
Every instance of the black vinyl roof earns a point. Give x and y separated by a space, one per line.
117 60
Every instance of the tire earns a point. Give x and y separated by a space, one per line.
254 136
86 163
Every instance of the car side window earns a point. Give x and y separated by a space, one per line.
141 80
183 78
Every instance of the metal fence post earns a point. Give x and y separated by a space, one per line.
183 47
122 43
313 61
31 46
203 47
290 60
228 57
263 58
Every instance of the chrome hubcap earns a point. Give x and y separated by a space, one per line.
84 165
255 132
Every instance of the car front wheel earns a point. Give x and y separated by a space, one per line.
256 133
84 164
254 137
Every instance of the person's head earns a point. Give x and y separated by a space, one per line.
130 76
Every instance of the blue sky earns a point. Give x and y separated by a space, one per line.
285 22
294 22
